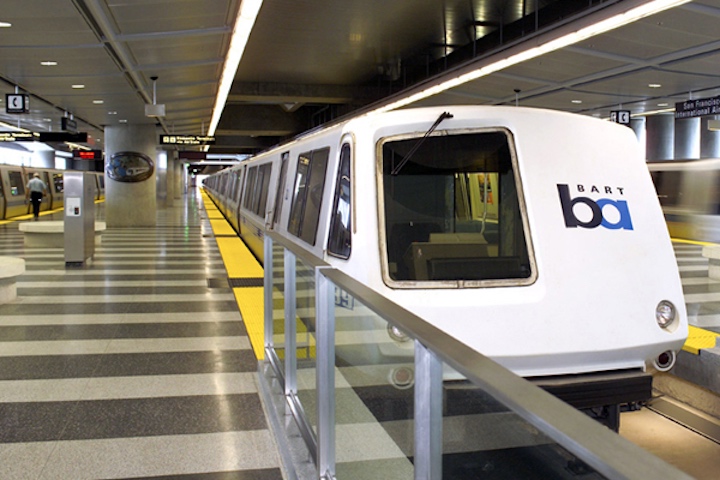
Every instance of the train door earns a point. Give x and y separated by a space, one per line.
48 198
101 186
280 190
15 193
341 224
242 176
57 186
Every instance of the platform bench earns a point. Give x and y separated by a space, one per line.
10 269
51 234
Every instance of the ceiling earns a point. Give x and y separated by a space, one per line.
308 62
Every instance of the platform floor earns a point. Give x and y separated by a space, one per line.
135 366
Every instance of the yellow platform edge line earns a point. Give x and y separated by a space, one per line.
241 263
221 227
250 302
699 339
692 242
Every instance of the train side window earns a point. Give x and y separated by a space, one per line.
58 182
223 182
452 211
17 187
279 194
340 238
249 188
298 195
263 184
307 194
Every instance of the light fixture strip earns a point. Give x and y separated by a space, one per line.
244 23
603 26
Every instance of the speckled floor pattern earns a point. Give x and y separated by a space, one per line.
136 365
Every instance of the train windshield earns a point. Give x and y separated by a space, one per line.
452 211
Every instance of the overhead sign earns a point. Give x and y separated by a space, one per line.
68 125
80 137
188 155
87 154
17 103
186 140
698 108
18 136
620 116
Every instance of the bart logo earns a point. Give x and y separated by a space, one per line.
616 209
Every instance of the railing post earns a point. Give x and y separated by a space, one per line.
290 386
428 414
325 378
268 284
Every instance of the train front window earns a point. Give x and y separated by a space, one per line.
452 211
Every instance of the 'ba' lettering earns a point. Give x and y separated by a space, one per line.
597 207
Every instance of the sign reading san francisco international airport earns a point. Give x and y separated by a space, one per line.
698 108
18 136
186 140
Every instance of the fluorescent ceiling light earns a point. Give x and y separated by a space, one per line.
48 63
5 25
603 26
244 22
78 86
653 112
13 128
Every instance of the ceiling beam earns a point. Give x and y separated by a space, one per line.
289 93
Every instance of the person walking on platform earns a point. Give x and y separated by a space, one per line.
35 188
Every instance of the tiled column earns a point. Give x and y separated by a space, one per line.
130 204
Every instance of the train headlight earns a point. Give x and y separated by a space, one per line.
665 314
397 334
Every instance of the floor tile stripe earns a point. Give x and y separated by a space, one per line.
142 354
97 419
73 347
108 388
69 366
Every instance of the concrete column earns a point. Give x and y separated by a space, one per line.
44 159
170 178
709 139
130 204
638 126
180 173
687 138
161 176
660 135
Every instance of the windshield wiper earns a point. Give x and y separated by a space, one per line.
412 151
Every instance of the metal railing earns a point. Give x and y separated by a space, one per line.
370 406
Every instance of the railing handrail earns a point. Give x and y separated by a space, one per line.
598 446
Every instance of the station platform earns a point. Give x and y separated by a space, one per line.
143 364
137 365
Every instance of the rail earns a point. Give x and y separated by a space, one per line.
458 410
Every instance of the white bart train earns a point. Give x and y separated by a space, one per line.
533 236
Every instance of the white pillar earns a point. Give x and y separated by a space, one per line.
130 203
